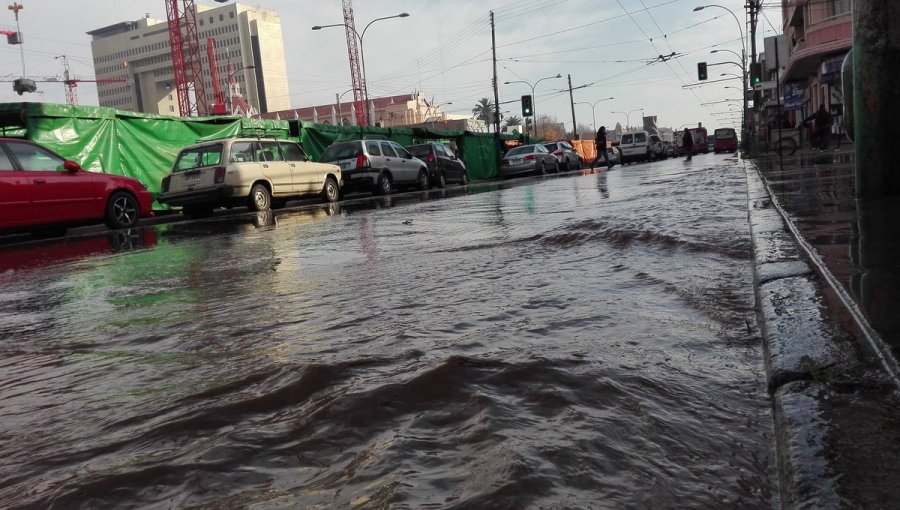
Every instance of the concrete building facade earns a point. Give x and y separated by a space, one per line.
247 37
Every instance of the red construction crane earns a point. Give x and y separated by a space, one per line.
355 70
218 107
72 83
187 65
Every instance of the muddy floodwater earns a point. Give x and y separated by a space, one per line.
577 341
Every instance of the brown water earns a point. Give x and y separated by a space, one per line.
572 342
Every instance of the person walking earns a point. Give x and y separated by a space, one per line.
821 127
687 142
600 140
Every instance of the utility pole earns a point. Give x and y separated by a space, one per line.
876 97
496 96
572 101
753 7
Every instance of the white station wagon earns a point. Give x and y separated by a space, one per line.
254 172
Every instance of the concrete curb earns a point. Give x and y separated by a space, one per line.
825 392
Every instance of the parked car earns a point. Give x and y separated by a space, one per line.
376 165
669 149
565 154
443 164
724 140
657 148
43 193
635 146
527 159
256 172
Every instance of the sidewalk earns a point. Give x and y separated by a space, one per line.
827 292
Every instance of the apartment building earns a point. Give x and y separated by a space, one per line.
249 54
818 35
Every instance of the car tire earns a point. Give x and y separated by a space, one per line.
442 181
330 191
122 210
260 199
465 179
541 170
384 184
197 211
424 182
556 168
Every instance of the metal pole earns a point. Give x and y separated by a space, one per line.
572 101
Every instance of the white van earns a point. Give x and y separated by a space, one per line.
635 146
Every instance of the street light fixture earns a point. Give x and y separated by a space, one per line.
628 116
594 111
362 57
533 99
743 63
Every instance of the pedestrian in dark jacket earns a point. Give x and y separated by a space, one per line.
687 142
601 146
821 126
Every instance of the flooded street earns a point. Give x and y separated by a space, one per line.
577 341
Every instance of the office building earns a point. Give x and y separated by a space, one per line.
246 37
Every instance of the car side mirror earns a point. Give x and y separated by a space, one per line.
71 166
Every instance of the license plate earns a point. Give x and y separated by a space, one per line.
192 177
346 165
515 162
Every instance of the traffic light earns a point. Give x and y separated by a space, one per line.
701 71
755 73
527 110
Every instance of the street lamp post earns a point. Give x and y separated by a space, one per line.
743 66
594 111
533 99
628 116
430 108
339 96
362 56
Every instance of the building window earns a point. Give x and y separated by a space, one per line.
211 20
171 108
231 14
839 7
221 17
201 22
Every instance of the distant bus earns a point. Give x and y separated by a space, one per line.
699 137
724 140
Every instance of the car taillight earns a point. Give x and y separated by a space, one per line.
363 162
558 153
220 174
430 158
530 157
165 183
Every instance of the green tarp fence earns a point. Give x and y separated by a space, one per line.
144 146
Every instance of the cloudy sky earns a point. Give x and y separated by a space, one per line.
611 48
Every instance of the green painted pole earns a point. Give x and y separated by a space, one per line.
876 96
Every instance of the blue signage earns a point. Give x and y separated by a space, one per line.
794 95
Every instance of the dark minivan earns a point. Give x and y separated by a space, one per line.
443 165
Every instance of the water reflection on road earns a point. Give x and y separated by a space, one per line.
574 341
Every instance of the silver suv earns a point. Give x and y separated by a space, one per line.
255 172
376 165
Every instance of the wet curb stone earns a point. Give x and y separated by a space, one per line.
824 393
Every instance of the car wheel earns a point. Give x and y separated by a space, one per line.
424 183
465 179
122 210
556 168
384 184
260 199
197 211
442 181
330 192
541 170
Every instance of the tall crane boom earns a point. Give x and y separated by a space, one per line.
356 78
187 66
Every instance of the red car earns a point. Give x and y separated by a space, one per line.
44 193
